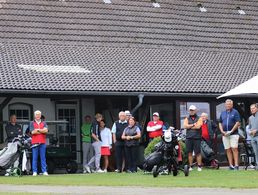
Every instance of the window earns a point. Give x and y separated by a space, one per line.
107 1
202 9
155 3
201 107
240 11
22 111
66 133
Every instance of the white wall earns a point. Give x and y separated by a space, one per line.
88 107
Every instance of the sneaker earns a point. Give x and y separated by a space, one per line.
45 174
99 171
251 166
105 170
199 169
231 167
190 169
7 174
87 169
34 174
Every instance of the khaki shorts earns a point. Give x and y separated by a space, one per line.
230 141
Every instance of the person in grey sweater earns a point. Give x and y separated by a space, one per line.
253 120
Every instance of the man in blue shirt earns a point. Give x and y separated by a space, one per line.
228 125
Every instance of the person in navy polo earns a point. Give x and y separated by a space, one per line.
228 125
38 129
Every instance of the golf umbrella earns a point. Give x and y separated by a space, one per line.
248 88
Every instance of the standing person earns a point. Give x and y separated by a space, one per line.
117 131
13 130
38 129
254 131
96 138
106 145
193 124
131 135
228 124
86 141
128 115
208 129
154 127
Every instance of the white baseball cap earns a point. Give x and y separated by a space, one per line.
155 114
192 107
127 113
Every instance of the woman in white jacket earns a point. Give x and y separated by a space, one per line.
106 138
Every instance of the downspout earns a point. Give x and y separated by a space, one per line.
140 98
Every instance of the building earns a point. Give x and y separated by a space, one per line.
72 58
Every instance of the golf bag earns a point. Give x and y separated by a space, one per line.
208 155
15 151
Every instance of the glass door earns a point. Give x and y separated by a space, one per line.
67 133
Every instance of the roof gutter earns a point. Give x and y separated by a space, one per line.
8 92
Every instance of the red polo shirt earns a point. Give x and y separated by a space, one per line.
205 131
158 132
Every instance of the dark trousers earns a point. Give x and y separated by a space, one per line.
120 154
131 157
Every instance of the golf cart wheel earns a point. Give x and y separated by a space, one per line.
71 167
50 166
175 171
155 171
16 171
217 167
186 170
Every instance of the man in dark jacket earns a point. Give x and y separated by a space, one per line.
208 129
117 131
13 129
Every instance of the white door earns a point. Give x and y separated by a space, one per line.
69 134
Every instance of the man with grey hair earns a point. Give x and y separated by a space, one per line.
117 131
208 129
38 129
253 124
228 124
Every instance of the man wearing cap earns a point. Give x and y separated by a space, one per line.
154 128
193 124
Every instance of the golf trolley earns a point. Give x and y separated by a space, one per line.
165 156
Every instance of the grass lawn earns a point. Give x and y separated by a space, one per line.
206 178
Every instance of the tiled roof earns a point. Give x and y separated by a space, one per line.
123 69
127 46
132 23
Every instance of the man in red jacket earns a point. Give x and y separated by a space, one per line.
38 129
154 128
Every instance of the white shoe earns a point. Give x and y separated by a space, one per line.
87 169
7 174
99 171
105 170
45 173
190 169
116 170
199 169
34 174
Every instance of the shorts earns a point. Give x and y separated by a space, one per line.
230 141
193 145
105 151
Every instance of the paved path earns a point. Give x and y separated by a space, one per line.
122 190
